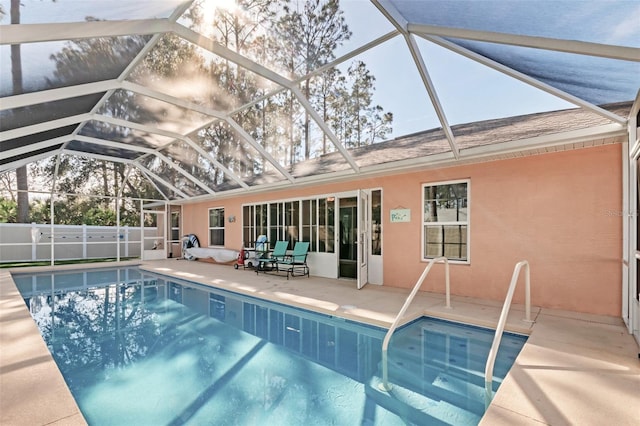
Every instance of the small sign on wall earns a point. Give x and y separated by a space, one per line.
400 215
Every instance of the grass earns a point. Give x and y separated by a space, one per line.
63 262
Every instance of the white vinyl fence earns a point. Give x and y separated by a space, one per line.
26 242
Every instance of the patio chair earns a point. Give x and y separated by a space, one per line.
279 254
295 264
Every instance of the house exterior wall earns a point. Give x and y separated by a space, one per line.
556 210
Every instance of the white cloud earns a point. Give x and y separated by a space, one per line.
627 30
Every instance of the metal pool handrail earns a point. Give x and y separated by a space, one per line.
385 386
491 359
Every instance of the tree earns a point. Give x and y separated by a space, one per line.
22 180
78 62
379 124
310 38
242 30
296 37
7 181
8 211
98 330
367 121
329 102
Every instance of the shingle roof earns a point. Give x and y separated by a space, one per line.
496 133
469 135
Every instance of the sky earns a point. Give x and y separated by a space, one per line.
467 90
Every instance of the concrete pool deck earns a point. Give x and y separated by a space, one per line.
574 369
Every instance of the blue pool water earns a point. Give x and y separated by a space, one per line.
138 348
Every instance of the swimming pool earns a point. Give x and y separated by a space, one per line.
145 349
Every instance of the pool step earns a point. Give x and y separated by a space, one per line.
442 386
430 387
420 409
400 404
403 366
407 353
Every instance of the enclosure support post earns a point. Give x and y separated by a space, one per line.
141 229
126 241
52 210
34 241
84 240
53 237
118 228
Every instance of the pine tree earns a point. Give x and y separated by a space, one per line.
310 34
22 180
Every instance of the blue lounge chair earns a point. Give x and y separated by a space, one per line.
295 264
278 254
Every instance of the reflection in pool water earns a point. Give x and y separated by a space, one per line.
140 348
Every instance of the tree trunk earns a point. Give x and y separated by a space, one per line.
325 118
16 78
117 170
307 138
23 195
105 177
290 129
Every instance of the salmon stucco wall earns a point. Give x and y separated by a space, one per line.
555 210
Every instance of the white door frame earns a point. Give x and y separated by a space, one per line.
363 242
171 242
159 241
630 262
631 221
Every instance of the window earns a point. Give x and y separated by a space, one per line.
376 222
248 225
175 226
254 223
276 222
216 227
292 222
326 224
309 220
445 220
